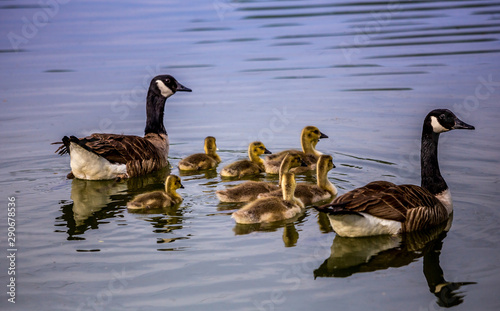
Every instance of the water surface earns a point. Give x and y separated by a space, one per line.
364 72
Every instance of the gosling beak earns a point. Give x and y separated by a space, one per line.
459 124
322 135
182 186
333 165
302 163
267 151
182 88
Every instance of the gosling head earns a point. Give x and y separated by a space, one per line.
443 120
295 160
257 148
325 163
166 86
313 134
210 146
173 183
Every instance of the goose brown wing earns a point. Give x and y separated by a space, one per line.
386 200
115 148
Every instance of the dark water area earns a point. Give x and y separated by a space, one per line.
364 72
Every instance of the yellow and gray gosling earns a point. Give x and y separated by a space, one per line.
272 209
382 207
159 199
249 190
247 167
311 193
202 161
309 138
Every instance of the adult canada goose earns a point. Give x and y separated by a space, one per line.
108 156
311 193
249 190
247 167
272 209
382 207
308 139
159 199
202 161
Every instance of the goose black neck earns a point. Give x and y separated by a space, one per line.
429 166
155 107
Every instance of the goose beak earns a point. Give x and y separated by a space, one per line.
267 151
322 135
459 124
182 88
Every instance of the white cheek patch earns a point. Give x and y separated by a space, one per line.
165 90
436 126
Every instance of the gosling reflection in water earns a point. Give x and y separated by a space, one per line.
367 254
290 234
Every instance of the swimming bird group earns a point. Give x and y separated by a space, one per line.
380 207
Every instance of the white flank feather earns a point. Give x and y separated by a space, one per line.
88 165
352 225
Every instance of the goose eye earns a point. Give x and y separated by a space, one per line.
167 81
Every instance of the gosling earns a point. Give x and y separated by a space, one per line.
311 193
272 209
253 166
159 199
202 161
309 139
249 190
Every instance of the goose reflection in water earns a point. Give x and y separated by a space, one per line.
94 201
355 255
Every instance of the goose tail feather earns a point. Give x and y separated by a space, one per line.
64 148
336 209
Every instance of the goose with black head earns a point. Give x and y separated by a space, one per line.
382 207
109 156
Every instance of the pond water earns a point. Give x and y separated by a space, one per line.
364 72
